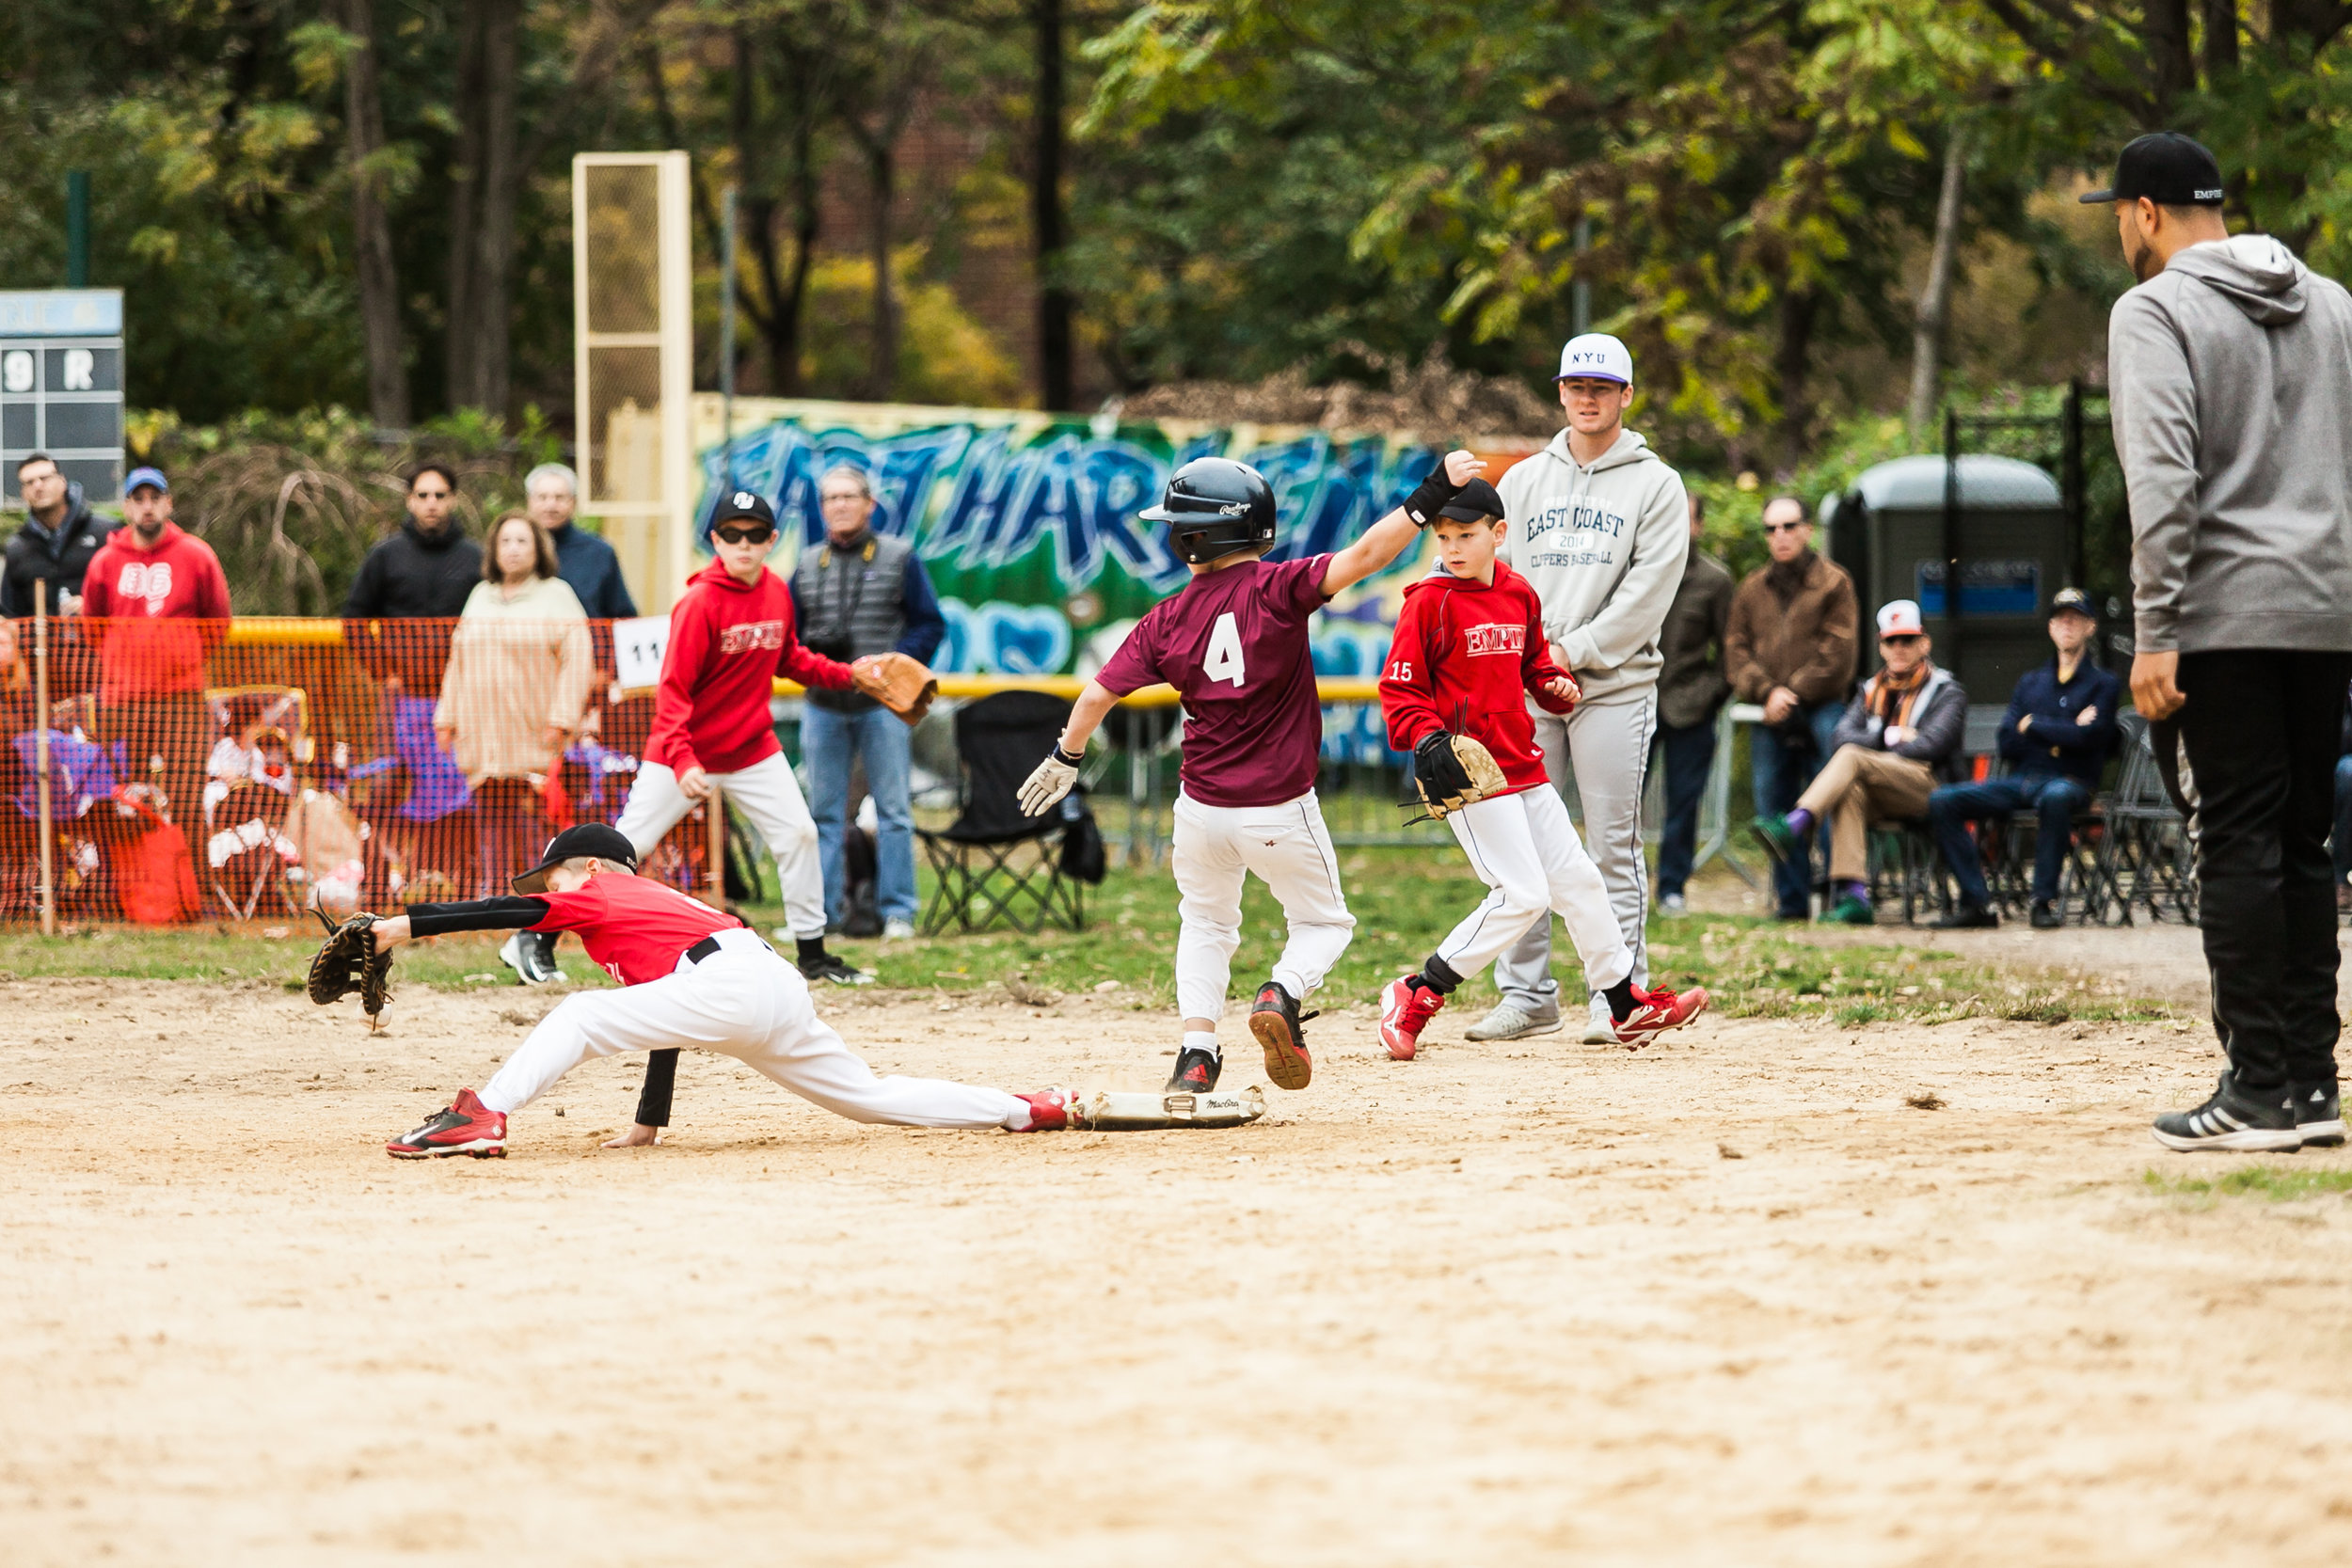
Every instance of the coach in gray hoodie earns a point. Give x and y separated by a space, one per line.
2230 369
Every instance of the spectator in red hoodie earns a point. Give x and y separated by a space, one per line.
1470 642
156 603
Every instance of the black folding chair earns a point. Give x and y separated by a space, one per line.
1905 864
2150 853
993 864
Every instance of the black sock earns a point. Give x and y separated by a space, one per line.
1438 975
812 949
1621 1002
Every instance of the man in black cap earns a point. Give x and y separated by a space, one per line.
2230 369
2056 737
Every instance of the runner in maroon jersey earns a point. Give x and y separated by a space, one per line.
1234 643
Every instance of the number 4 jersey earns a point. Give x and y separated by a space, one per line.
1234 644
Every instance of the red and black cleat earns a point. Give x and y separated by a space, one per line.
1275 1022
1405 1009
1196 1073
468 1127
1658 1011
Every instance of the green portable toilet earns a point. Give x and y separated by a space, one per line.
1901 527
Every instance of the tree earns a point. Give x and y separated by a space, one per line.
370 163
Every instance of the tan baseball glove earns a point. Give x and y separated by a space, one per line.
1450 771
904 686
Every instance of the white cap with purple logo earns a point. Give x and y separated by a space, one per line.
1597 355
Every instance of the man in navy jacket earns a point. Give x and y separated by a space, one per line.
2056 737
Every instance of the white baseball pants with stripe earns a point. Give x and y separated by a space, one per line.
771 797
1525 848
1285 846
744 1002
1608 745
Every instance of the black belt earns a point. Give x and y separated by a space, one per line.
709 945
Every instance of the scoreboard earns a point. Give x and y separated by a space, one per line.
62 386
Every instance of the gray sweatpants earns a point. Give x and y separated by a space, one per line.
1607 746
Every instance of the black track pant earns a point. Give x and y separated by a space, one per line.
2260 732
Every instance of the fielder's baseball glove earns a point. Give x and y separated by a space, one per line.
1450 771
348 961
904 686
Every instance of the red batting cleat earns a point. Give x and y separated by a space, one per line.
1052 1111
1658 1011
1405 1009
468 1127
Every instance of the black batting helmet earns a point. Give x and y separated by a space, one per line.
1214 506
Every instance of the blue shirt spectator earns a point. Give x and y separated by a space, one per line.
590 568
2055 737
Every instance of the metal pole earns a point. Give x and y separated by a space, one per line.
41 751
726 345
1580 292
2077 552
1951 542
77 230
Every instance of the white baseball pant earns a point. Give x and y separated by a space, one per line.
744 1002
1289 849
1608 745
1525 848
771 797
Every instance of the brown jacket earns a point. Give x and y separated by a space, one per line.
1691 683
1800 634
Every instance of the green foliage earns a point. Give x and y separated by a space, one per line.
2271 1184
944 357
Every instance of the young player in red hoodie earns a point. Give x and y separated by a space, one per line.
731 634
1468 648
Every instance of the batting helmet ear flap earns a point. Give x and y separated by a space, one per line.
1214 506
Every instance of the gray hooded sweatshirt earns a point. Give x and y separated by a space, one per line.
2231 375
1604 548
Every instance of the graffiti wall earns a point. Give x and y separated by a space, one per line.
1026 522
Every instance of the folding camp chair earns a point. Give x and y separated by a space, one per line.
992 862
1906 864
2150 853
261 739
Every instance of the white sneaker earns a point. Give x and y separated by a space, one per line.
1511 1022
1600 1025
897 930
1674 903
529 954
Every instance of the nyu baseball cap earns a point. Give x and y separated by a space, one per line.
1899 618
2073 601
1474 502
137 477
1597 355
2167 168
738 505
588 840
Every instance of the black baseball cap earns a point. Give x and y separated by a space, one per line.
2167 168
740 505
2073 601
589 840
1474 502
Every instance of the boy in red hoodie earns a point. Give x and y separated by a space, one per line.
731 634
1469 643
156 603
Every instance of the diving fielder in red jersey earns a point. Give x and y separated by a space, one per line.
1234 643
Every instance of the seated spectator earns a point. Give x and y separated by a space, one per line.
1897 739
511 693
2056 737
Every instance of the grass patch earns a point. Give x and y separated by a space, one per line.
2271 1184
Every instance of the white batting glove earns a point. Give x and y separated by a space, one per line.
1050 783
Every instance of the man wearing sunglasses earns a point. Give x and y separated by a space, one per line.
1791 646
1900 737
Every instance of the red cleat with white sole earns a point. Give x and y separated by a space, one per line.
1052 1111
1405 1009
468 1127
1658 1011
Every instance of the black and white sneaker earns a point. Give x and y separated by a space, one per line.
532 956
2235 1119
1196 1073
828 966
2318 1113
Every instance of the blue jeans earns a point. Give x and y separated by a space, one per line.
829 740
1784 764
2055 796
1690 754
2340 846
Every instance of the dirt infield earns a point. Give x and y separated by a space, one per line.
1728 1300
